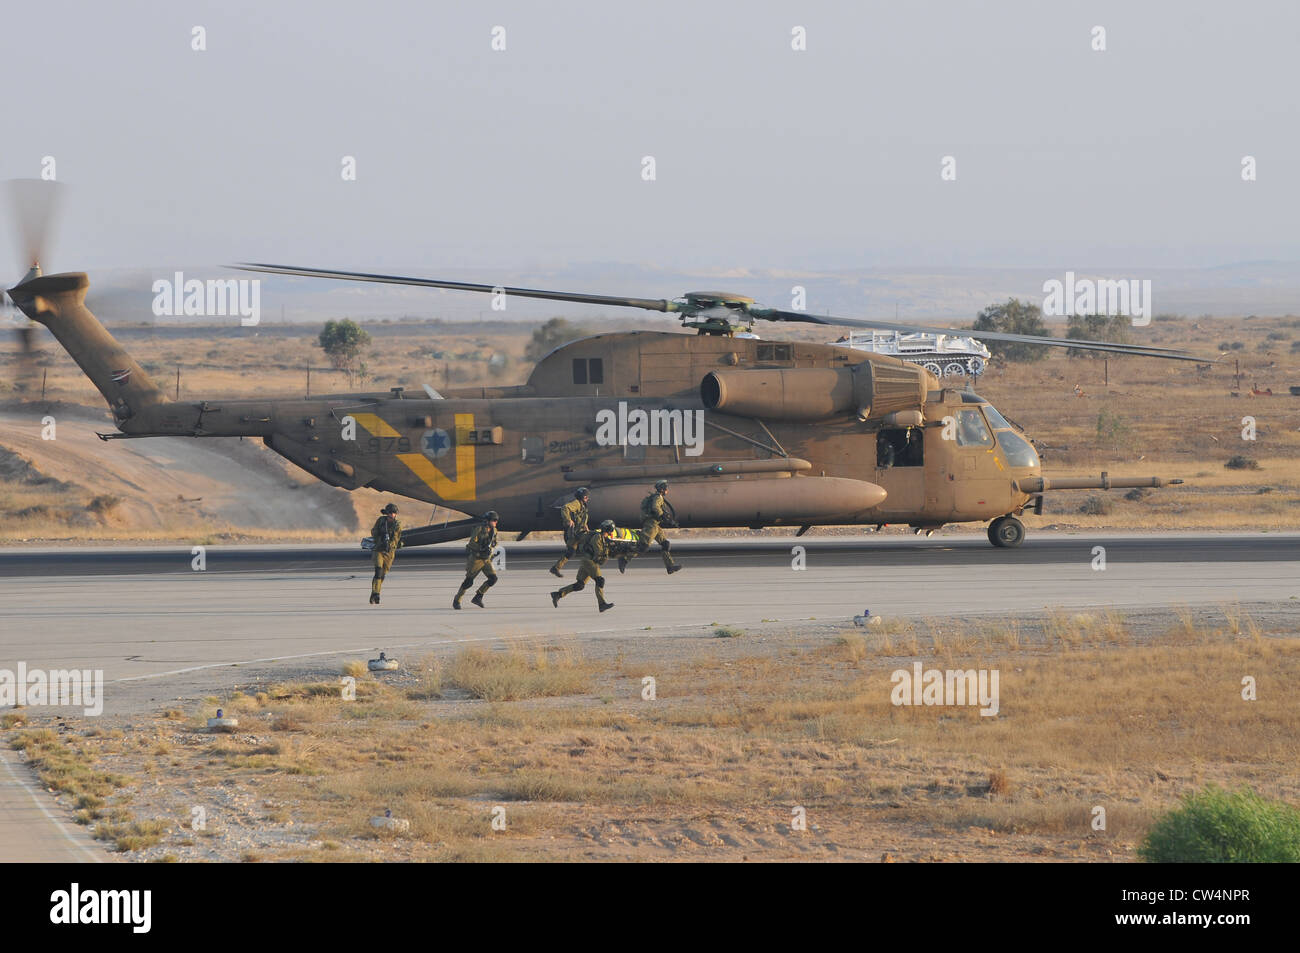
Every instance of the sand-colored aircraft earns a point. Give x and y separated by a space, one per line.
749 432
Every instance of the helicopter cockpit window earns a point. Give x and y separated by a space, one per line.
579 370
996 419
1018 451
972 431
900 447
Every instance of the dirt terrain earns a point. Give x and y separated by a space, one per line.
749 733
155 489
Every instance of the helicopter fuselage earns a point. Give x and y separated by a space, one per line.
748 432
617 411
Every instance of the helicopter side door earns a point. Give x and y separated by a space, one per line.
900 469
979 478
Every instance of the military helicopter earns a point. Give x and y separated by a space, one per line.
751 433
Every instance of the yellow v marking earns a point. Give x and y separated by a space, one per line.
463 487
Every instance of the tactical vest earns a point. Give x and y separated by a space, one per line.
482 543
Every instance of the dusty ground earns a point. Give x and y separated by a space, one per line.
1125 713
1153 418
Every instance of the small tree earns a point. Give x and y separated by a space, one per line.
1097 327
551 335
343 342
1014 317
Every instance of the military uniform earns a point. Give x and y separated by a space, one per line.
573 518
478 559
654 510
387 535
594 549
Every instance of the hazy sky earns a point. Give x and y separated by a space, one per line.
765 157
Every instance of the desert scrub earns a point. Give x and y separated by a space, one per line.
1217 826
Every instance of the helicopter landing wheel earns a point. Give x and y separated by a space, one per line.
1006 532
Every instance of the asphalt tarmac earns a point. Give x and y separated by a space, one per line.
143 613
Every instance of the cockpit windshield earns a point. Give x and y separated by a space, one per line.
996 419
1017 450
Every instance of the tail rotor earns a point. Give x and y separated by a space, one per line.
33 204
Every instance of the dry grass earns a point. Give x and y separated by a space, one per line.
519 672
563 744
97 796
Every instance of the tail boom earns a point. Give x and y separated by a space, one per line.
59 303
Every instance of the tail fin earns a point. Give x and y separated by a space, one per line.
59 303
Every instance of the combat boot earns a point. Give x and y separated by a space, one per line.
556 596
478 600
674 568
606 605
556 573
374 598
622 563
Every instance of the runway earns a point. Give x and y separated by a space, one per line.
139 614
883 552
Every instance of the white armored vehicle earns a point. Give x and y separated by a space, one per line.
943 355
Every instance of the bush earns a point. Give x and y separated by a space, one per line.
1137 494
1225 827
104 503
1096 506
1112 429
1241 462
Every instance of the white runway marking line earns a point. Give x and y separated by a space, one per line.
356 651
89 854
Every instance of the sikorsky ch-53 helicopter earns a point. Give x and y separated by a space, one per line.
751 433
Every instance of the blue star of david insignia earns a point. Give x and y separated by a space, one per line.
436 441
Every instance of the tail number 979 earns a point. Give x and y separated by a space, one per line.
388 445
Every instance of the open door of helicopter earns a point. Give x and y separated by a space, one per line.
900 467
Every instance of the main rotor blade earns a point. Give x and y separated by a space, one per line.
649 304
1138 350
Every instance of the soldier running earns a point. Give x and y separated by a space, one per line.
479 560
573 519
656 511
594 549
387 537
